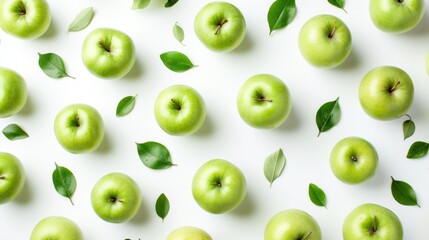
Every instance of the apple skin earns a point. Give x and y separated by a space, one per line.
116 198
79 128
220 26
27 19
188 233
353 160
386 93
395 16
12 177
219 186
264 101
292 224
108 53
56 227
358 225
180 110
427 63
325 41
13 92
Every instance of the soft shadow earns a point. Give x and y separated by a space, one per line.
246 208
28 108
206 129
142 215
351 62
245 46
292 122
136 71
25 195
422 29
106 145
51 32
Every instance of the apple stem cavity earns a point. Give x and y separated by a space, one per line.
113 200
21 9
400 1
220 25
354 158
217 184
306 236
76 121
331 34
373 229
2 177
394 87
105 46
176 105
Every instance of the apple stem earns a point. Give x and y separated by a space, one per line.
21 9
219 26
2 177
331 34
176 105
374 226
306 236
104 46
263 99
392 89
400 1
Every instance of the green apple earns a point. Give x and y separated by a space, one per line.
26 19
188 233
220 26
325 41
353 160
12 177
180 110
79 128
58 228
13 92
427 63
264 101
116 198
219 186
108 53
292 224
396 16
386 93
372 222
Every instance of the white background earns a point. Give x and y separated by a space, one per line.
224 135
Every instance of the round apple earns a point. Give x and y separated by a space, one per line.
353 160
180 110
292 224
396 16
79 128
13 92
219 186
12 177
108 53
220 26
264 101
116 198
325 41
386 93
188 233
56 227
24 18
371 221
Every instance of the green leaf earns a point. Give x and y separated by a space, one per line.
408 128
82 20
52 65
64 182
281 14
162 206
125 106
170 3
403 193
328 116
178 33
176 61
337 3
317 195
154 155
140 4
418 150
14 132
274 165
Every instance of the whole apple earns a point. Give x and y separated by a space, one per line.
371 221
396 16
56 227
13 92
108 53
292 224
188 233
116 198
26 19
12 177
325 41
79 128
220 26
353 160
180 110
386 93
264 101
219 186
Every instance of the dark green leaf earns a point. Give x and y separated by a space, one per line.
140 4
176 61
82 20
418 150
178 33
408 128
317 195
14 132
64 182
162 206
170 3
337 3
125 106
52 65
328 116
274 165
154 155
403 193
281 14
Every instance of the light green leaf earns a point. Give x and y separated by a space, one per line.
82 20
274 165
125 106
178 33
154 155
64 182
176 61
52 65
140 4
281 14
162 206
408 127
14 132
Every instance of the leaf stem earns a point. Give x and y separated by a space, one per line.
71 201
220 25
408 116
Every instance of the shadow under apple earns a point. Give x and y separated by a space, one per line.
206 129
246 208
142 215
